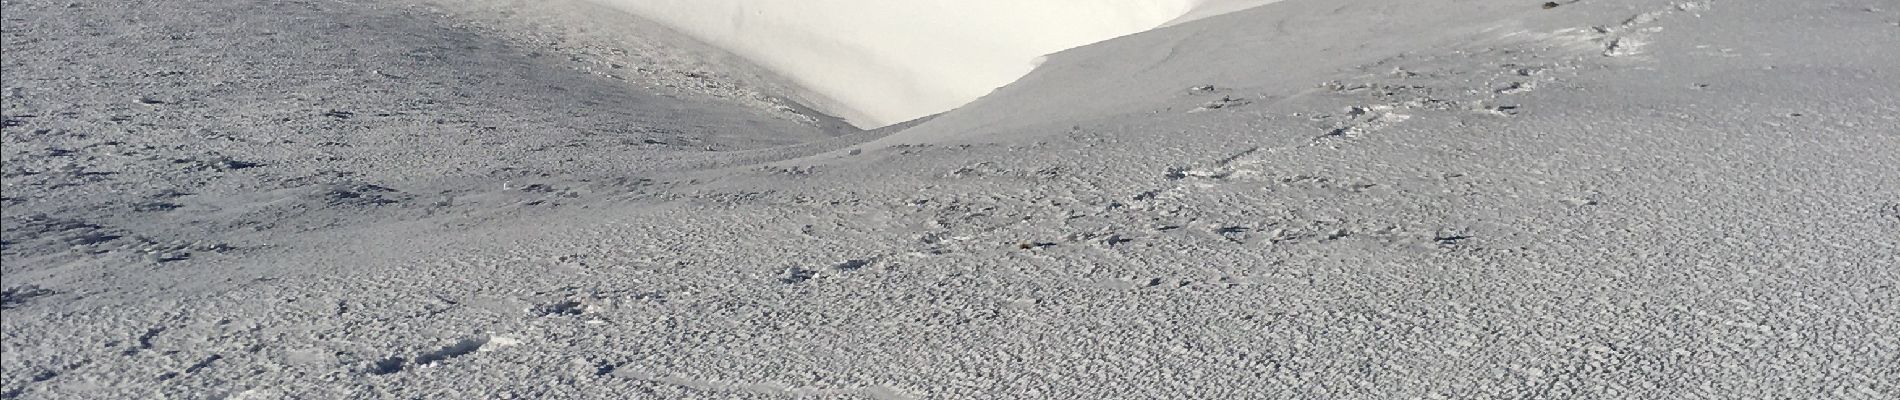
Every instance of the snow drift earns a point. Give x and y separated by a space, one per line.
879 62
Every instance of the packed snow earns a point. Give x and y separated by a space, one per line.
880 62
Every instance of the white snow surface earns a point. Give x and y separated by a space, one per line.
880 62
1327 199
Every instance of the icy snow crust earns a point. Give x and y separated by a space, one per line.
879 62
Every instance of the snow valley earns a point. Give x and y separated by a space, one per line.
880 62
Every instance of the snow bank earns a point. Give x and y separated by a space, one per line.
879 62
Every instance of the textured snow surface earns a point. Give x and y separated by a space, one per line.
1312 199
880 62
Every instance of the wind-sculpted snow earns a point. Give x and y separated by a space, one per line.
879 62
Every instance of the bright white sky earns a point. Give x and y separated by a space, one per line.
880 62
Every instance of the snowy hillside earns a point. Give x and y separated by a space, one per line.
1366 199
880 62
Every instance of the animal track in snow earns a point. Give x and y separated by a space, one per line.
1226 100
194 368
796 275
1891 211
1362 120
1629 37
853 265
20 295
460 348
144 341
1222 103
1388 93
561 308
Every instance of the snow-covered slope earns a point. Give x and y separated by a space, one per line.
1260 55
1356 199
879 62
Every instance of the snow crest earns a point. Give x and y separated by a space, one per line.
880 62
